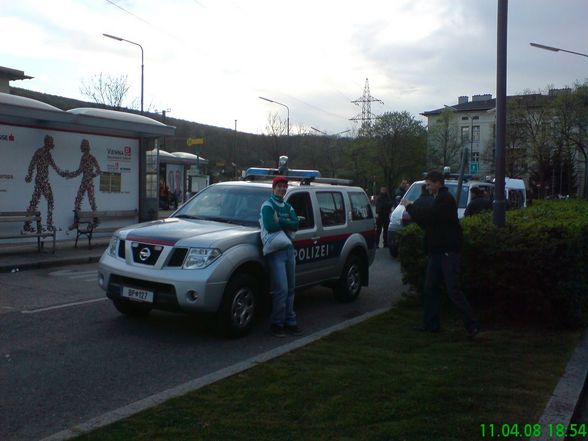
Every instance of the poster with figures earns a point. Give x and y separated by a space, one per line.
58 173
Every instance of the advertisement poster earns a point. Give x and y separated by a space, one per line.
58 172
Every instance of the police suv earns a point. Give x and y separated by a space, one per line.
206 257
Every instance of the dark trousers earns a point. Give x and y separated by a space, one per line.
444 267
382 227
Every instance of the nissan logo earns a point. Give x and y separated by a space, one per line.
144 254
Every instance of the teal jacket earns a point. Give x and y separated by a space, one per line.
276 215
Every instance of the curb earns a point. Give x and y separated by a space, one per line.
563 403
198 383
47 264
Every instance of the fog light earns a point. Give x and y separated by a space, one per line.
192 295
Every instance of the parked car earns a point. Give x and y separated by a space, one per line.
206 257
514 191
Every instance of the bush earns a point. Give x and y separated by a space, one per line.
535 269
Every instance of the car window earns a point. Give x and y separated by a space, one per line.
227 203
463 198
331 207
360 206
516 199
300 201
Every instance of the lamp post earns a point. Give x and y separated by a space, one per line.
557 49
326 134
142 64
287 108
477 118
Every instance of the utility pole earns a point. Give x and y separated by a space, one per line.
366 117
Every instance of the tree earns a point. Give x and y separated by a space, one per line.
571 123
276 128
400 145
444 142
106 90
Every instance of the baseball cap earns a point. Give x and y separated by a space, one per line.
279 179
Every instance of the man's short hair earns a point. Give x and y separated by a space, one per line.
435 176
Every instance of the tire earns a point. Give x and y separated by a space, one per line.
240 304
349 285
131 309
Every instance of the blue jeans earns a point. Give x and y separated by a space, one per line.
282 265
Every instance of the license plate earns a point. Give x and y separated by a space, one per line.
139 295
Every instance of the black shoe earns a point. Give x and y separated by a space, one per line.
277 331
293 329
425 329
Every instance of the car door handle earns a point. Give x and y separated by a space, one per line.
315 239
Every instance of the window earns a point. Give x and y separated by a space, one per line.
476 133
332 208
360 206
301 204
110 182
465 134
476 156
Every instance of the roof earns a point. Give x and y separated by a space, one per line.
13 74
21 111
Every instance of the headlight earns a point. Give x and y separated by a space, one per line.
199 258
113 246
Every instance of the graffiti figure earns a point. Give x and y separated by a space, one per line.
41 160
89 169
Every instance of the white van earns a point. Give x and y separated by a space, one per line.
515 193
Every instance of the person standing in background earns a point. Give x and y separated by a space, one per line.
383 208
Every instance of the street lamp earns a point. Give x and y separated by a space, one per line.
142 65
287 108
556 49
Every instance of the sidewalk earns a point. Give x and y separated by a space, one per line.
19 257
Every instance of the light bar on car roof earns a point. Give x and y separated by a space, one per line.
260 173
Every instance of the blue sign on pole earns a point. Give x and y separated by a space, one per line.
473 168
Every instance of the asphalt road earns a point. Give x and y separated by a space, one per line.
68 356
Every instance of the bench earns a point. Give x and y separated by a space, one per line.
87 223
33 218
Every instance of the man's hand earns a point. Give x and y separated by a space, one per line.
405 202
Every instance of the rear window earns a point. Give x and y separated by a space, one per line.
360 206
331 207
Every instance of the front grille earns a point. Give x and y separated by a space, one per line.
164 294
146 253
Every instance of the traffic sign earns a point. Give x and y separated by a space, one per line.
474 168
195 141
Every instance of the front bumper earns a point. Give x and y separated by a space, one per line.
174 289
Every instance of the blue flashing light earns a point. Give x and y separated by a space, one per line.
258 172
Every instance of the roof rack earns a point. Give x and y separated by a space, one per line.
332 181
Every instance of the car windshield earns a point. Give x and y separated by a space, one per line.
415 190
234 204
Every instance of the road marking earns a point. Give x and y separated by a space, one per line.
86 276
65 305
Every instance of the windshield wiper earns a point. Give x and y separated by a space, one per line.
187 216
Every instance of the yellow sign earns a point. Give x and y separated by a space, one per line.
195 141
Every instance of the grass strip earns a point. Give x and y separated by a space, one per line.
378 380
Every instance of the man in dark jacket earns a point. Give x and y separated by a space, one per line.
383 208
443 237
478 203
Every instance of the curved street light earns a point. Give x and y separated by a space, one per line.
326 134
142 65
556 49
280 104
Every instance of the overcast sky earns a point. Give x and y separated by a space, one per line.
209 60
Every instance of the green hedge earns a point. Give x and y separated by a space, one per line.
535 269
